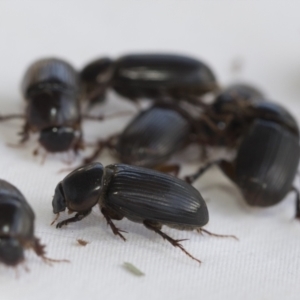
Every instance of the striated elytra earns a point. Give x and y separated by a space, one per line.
268 153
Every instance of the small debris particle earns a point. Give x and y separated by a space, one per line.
82 242
133 269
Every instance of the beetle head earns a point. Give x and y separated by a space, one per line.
11 251
59 201
80 190
59 139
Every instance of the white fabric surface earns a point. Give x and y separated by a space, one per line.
262 40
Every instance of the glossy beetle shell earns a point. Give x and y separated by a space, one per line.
139 194
49 70
16 224
226 101
153 136
95 75
155 75
51 90
267 163
15 208
148 76
133 192
82 187
268 110
50 87
143 194
53 108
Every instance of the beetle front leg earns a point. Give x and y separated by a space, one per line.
176 243
25 133
113 227
78 217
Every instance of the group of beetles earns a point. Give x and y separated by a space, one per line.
263 134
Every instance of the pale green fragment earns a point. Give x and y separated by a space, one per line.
133 269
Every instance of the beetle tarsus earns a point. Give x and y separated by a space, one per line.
175 243
76 218
201 230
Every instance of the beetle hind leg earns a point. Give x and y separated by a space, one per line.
201 230
176 243
39 250
76 218
113 227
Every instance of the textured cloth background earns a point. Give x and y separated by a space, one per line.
253 41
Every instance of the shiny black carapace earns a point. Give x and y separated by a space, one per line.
151 138
51 91
152 76
268 151
138 194
16 227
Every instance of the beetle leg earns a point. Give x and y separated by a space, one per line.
39 249
25 133
200 230
109 116
113 227
76 218
169 169
97 94
191 178
12 116
79 145
213 126
176 243
108 143
226 166
294 189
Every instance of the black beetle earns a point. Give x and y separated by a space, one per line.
50 88
232 112
139 194
151 76
16 227
154 135
267 156
151 138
